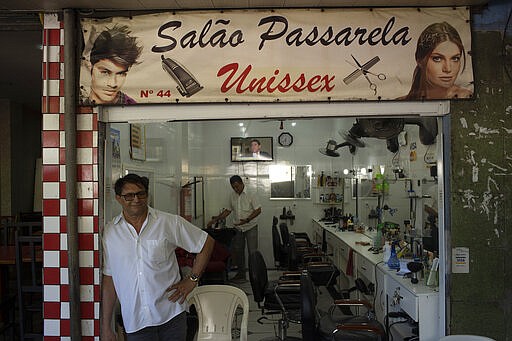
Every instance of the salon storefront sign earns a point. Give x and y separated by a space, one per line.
278 55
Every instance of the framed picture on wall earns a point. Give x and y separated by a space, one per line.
115 139
137 141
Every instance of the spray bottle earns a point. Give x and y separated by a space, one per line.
393 262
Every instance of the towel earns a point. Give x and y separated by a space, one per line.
350 263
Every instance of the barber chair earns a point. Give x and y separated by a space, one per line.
302 242
334 326
302 238
299 254
277 297
280 252
216 271
222 235
323 272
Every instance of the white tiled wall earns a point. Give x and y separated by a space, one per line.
203 149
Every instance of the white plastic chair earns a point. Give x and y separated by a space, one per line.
465 338
216 306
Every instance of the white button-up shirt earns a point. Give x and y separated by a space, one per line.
243 205
144 265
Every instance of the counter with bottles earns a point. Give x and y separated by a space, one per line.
391 291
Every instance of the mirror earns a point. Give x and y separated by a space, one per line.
290 182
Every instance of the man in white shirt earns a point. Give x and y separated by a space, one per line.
246 209
140 266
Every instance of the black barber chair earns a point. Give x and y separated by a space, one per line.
222 235
323 272
334 325
277 297
302 242
302 238
280 252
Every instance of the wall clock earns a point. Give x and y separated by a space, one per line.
285 139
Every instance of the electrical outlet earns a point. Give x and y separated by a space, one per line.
430 157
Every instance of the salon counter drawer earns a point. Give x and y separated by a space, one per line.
339 244
398 295
365 268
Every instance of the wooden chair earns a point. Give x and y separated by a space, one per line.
7 325
29 223
30 217
29 228
7 299
30 286
7 227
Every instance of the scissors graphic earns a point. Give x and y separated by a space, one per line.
364 70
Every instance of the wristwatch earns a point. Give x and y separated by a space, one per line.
193 277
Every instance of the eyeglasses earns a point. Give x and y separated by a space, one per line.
131 196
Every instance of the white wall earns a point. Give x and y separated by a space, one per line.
178 150
163 152
209 150
416 171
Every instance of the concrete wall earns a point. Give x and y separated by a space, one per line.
5 158
481 189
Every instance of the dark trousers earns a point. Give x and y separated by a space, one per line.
250 238
175 330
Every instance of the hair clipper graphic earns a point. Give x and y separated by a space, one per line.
187 84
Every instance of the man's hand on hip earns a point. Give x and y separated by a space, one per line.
181 290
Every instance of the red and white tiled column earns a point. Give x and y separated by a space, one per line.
55 266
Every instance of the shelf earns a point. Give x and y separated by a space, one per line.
328 195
